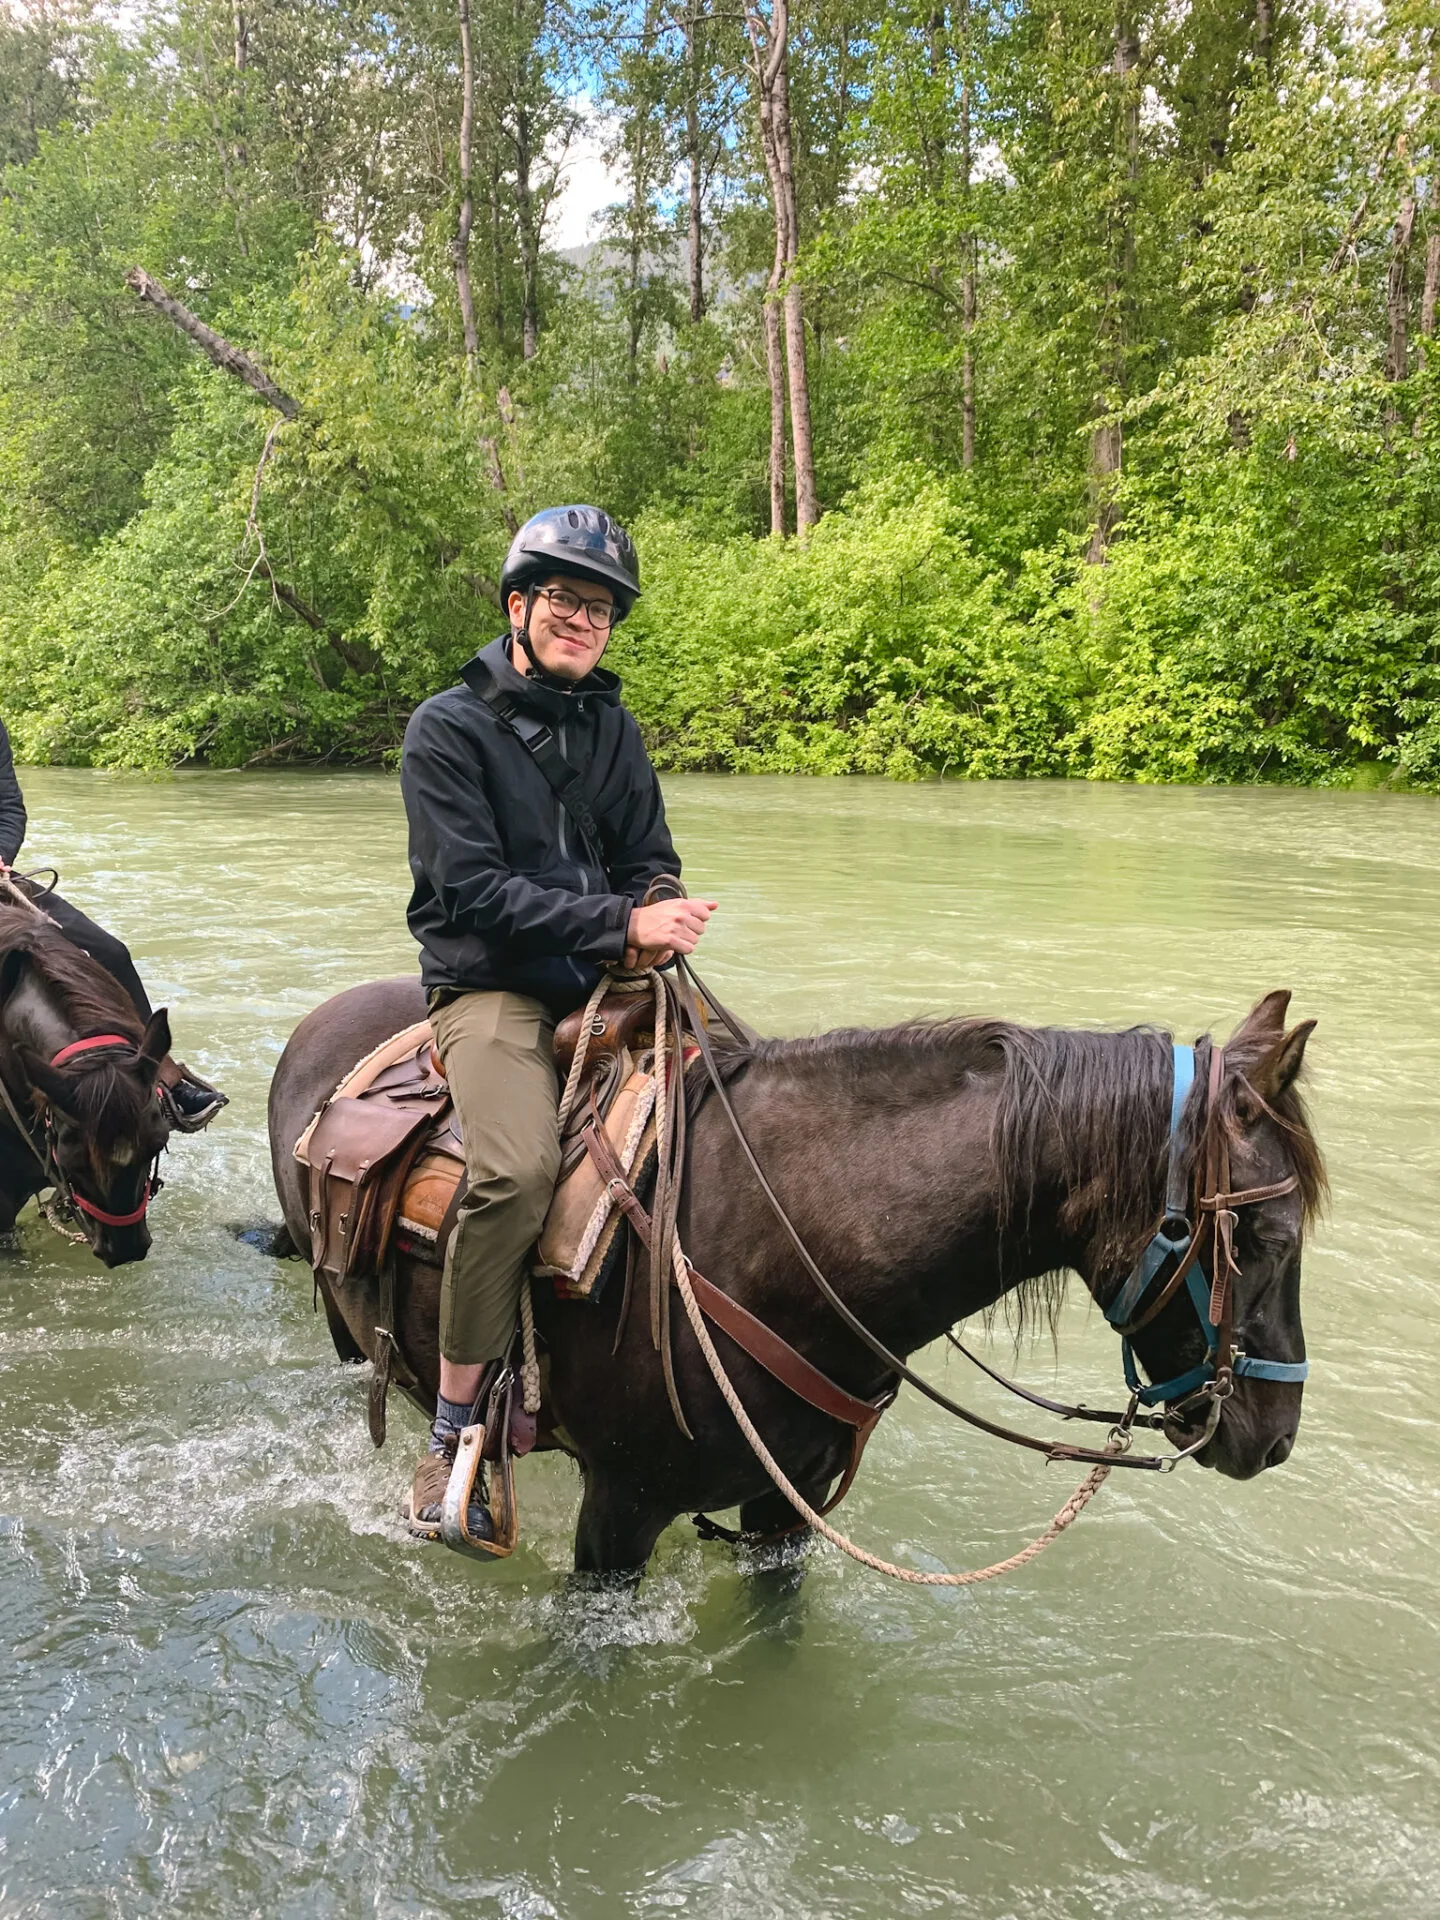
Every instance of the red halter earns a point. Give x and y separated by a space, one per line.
85 1046
113 1219
78 1199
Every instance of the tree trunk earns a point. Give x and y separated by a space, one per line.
1397 292
497 254
770 308
1430 292
529 238
460 247
1107 441
1430 297
1265 35
807 509
769 47
632 329
242 61
967 283
775 372
694 164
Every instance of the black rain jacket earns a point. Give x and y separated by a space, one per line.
12 803
506 894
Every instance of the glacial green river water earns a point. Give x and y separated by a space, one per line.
232 1687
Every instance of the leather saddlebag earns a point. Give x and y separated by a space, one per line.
359 1154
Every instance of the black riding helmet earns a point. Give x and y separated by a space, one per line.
579 540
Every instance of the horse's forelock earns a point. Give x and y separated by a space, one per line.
1095 1108
1288 1105
111 1101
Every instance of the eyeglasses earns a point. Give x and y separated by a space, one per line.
602 614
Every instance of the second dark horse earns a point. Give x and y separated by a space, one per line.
93 1127
931 1169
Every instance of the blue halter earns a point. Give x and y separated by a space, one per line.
1173 1239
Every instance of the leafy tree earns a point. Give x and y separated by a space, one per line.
1115 328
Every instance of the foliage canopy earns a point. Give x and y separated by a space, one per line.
1119 328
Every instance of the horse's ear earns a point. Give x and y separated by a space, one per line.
1277 1070
155 1044
44 1078
12 966
1265 1020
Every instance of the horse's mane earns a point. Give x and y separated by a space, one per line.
1100 1102
94 1001
110 1102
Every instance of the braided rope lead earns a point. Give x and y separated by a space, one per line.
50 1213
530 1363
581 1053
1070 1512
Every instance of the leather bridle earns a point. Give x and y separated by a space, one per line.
1217 1204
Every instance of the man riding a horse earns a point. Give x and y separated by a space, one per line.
191 1102
536 828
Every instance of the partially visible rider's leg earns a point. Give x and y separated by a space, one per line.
497 1053
193 1102
112 954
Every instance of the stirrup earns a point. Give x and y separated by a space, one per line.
191 1122
455 1507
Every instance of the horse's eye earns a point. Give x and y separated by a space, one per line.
1275 1244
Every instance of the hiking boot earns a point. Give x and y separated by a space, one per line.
192 1102
427 1494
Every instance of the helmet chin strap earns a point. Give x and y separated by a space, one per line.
537 671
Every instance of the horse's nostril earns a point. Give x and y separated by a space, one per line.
1280 1452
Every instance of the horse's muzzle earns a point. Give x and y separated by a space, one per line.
120 1249
1254 1433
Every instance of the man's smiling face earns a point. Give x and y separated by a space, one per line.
569 624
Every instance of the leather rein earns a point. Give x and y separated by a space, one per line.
1210 1383
47 1156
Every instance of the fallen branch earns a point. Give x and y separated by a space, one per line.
359 659
216 349
269 753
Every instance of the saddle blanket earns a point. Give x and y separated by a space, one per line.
387 1166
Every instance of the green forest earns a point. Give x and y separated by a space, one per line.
992 387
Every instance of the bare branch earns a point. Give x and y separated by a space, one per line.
216 349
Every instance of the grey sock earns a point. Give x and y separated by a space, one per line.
451 1418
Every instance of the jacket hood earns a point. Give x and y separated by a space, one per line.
601 686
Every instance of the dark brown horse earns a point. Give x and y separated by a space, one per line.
92 1125
932 1170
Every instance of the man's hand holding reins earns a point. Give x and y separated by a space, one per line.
656 933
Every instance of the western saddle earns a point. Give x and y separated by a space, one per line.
386 1165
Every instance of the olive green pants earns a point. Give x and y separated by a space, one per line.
496 1050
